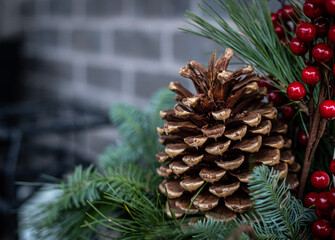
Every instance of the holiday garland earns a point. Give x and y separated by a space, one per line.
227 161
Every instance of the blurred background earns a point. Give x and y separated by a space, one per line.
63 63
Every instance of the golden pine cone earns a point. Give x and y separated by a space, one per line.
217 137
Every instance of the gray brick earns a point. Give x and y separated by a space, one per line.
154 8
27 8
52 69
189 47
103 8
60 7
137 44
86 40
274 5
147 84
44 37
107 78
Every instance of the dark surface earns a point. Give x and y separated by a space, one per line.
22 158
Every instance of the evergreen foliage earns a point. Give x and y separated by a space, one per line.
276 212
216 230
138 131
121 199
124 199
253 37
123 162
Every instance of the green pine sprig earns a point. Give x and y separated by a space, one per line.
62 217
276 215
276 212
251 35
138 131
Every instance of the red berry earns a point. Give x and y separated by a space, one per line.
302 138
296 91
331 34
322 202
322 52
330 7
321 228
288 13
274 17
263 82
320 179
322 26
276 98
288 112
312 10
310 199
332 167
306 32
298 47
298 24
334 70
280 13
311 75
279 30
331 196
327 109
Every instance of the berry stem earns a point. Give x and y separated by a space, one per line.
316 130
311 104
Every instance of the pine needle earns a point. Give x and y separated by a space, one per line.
254 39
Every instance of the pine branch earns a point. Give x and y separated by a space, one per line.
145 216
215 230
132 124
119 153
161 100
277 213
63 217
254 39
138 131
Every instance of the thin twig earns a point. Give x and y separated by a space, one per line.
304 108
311 105
314 134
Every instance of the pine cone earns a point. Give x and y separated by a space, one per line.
216 137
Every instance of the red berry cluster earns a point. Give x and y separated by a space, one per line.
324 204
316 38
283 19
277 98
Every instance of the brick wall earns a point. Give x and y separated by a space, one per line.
102 51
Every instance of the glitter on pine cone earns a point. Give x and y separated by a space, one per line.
216 137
